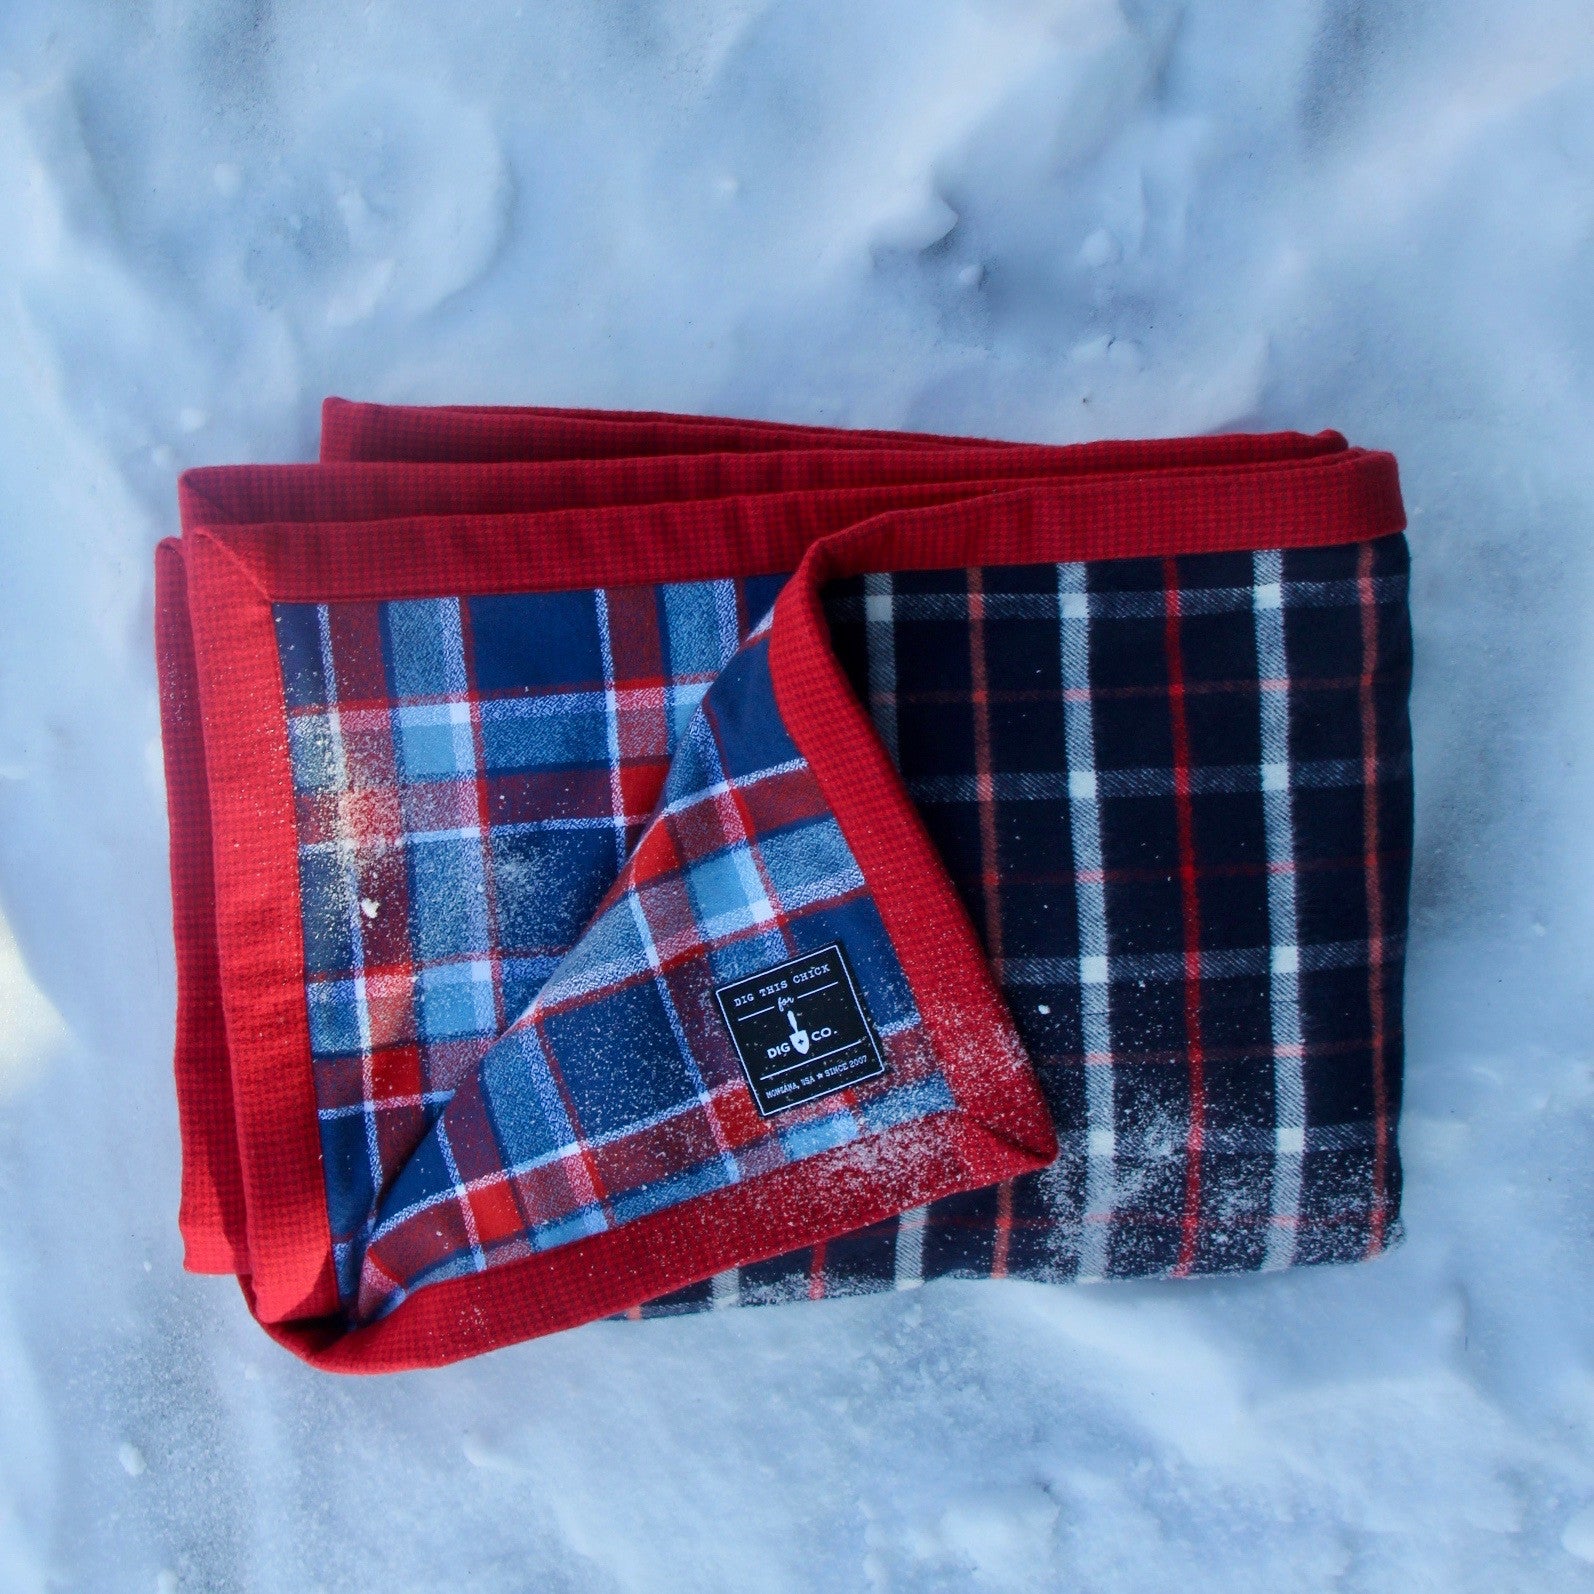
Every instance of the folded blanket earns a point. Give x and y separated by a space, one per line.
636 863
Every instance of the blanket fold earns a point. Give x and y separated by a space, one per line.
631 863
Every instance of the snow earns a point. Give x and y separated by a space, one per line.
1039 218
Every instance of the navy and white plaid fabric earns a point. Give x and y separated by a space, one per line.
1175 797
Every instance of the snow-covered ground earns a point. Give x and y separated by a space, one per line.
1041 218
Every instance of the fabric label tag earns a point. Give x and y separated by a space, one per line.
800 1030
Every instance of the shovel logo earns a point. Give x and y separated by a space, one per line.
799 1037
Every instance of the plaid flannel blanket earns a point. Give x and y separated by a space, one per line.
636 864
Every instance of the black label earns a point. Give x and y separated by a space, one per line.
799 1030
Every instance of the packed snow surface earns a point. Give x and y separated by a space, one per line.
1051 219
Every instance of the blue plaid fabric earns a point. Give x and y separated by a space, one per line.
529 852
470 775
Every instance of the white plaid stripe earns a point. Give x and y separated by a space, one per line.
1095 969
706 791
1149 605
909 1256
881 648
727 620
427 1099
462 1200
1322 774
337 763
452 622
611 706
1284 986
1225 963
348 853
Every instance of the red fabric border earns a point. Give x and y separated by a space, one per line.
1101 516
258 935
211 1214
364 490
478 433
482 434
614 1271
